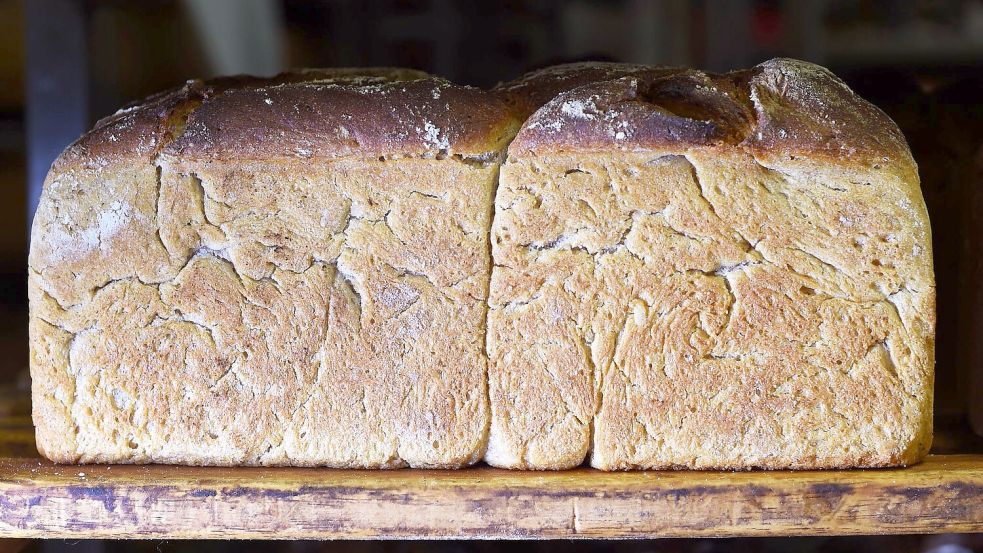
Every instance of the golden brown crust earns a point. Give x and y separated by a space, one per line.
313 119
742 278
643 111
137 131
691 270
124 149
781 108
315 315
804 109
273 311
142 128
530 91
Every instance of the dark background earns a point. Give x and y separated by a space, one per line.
66 63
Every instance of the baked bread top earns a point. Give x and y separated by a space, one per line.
781 107
337 119
300 113
529 92
788 115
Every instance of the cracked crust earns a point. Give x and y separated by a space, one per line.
141 129
529 92
742 279
230 294
779 109
200 309
315 119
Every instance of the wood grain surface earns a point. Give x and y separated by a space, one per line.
943 494
40 499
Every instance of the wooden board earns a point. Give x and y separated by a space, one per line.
39 499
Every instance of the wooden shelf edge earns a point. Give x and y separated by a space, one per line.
37 499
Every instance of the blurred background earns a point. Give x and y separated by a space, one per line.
66 63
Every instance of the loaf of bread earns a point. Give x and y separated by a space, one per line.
686 270
708 271
270 272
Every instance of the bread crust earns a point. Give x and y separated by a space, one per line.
142 128
690 270
202 294
529 92
316 119
710 271
781 107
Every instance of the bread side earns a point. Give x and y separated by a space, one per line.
941 121
710 271
271 299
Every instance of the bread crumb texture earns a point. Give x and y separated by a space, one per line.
687 270
710 271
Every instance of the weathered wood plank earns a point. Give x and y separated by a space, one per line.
943 494
39 499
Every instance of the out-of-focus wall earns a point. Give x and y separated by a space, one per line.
12 215
13 193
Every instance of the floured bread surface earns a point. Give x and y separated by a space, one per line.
304 285
708 271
